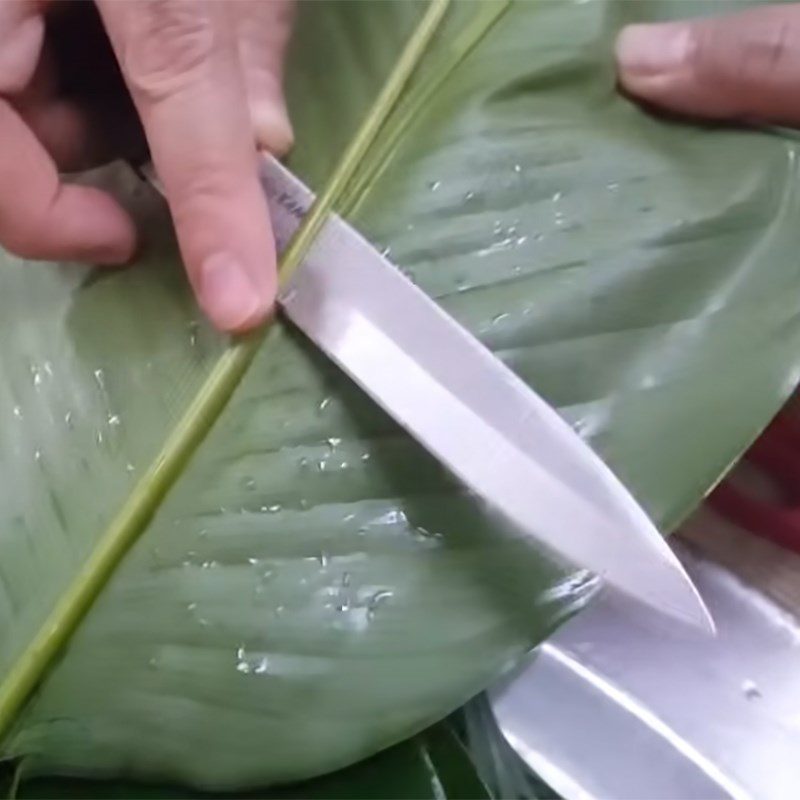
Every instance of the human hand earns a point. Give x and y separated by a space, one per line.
205 77
743 66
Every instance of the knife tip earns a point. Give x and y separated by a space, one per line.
692 610
673 593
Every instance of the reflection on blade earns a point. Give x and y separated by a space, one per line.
470 411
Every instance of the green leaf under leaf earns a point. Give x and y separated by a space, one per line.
432 766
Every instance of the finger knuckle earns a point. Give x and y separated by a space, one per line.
751 52
203 193
169 47
767 49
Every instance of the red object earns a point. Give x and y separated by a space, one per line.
776 455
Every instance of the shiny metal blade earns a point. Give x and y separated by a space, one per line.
615 706
468 409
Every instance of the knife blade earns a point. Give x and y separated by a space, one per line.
613 706
469 410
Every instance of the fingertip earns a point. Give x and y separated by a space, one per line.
229 296
647 55
228 247
263 31
271 126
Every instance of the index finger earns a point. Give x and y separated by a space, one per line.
179 60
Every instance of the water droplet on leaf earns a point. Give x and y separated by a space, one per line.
377 599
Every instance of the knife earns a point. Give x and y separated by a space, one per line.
494 433
613 706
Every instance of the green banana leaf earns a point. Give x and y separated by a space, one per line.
314 588
465 756
432 766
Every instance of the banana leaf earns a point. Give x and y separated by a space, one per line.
432 766
313 588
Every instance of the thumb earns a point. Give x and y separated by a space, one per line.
738 66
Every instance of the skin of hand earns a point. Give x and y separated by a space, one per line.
205 78
743 66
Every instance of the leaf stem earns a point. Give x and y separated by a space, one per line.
205 408
418 98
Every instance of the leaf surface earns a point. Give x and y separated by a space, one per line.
315 588
432 766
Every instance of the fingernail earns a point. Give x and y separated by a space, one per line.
228 295
648 50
